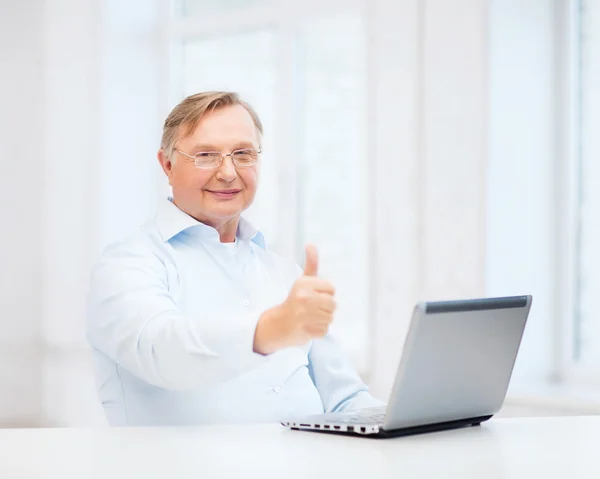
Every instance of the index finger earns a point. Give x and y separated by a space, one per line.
319 284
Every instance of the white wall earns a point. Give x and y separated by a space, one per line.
69 162
22 133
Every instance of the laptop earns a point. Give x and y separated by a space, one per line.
455 368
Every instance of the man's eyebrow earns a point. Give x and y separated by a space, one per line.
204 147
244 144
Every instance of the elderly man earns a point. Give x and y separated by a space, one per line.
192 320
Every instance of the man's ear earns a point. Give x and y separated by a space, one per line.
165 163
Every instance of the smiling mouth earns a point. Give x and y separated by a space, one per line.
224 193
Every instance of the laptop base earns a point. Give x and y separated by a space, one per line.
406 431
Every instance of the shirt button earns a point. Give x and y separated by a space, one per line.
246 302
276 389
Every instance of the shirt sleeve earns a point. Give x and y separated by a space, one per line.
134 320
339 385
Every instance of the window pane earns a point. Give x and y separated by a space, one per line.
588 350
245 64
334 170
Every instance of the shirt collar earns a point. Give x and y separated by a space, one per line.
171 221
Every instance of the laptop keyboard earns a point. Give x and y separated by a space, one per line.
362 419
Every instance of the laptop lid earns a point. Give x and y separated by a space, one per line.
457 360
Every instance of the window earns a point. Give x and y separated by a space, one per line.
303 67
587 325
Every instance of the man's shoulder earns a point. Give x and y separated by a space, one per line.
145 241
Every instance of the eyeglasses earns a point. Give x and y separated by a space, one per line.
207 160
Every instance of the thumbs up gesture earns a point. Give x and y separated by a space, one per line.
306 313
311 265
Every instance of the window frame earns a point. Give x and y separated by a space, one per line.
572 371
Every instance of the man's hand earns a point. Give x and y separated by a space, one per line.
306 313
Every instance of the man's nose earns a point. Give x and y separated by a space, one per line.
227 171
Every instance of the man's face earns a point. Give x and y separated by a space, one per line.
217 195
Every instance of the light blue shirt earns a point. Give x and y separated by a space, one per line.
171 318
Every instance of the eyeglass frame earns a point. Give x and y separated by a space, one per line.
194 158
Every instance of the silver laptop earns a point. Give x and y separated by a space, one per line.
455 368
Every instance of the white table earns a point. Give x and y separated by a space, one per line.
502 448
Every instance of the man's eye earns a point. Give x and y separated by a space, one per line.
245 153
206 155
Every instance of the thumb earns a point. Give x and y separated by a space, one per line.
311 266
